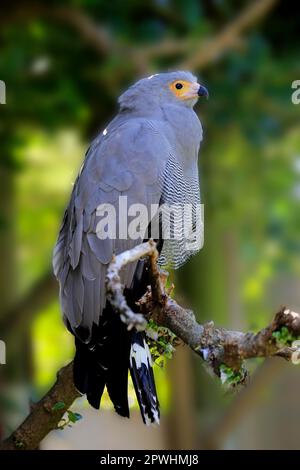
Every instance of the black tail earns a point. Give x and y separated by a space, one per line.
104 362
113 349
143 378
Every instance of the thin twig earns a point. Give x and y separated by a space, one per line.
114 287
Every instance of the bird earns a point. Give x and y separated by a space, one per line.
148 153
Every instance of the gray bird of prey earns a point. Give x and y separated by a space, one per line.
148 154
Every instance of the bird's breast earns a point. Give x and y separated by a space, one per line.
183 129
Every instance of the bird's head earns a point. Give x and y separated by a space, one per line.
179 88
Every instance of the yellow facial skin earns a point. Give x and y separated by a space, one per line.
184 90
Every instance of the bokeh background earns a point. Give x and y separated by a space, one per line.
64 64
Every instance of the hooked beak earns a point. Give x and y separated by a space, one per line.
195 90
202 91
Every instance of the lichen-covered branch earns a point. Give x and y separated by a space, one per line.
218 346
223 351
114 288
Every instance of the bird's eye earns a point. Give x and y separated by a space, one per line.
178 86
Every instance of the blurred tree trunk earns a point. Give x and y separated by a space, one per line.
7 240
18 355
7 265
236 318
210 282
182 422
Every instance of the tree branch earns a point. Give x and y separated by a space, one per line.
95 35
114 288
98 37
210 49
229 37
43 417
216 346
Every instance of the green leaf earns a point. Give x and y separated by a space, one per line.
283 336
78 416
229 376
73 417
60 405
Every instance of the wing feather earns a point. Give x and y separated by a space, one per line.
129 160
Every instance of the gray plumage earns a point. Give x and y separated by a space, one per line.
148 153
